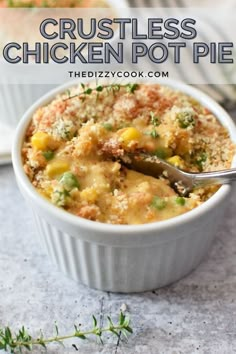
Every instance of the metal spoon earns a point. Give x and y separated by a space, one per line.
183 182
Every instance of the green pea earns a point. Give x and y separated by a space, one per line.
69 181
158 203
186 119
180 201
48 155
107 126
163 152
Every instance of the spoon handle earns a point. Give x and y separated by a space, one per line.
216 177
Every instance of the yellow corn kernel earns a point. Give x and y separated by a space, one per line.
89 195
56 168
48 191
40 141
177 161
130 134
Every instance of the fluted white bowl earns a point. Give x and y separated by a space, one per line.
125 258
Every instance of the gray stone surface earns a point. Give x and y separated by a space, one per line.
195 315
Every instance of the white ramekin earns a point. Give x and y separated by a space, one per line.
125 258
16 98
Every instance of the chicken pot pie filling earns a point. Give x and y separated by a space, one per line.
73 146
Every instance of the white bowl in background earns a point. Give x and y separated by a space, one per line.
15 99
125 258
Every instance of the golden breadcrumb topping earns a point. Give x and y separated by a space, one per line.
74 145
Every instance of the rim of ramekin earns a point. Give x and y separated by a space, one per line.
65 216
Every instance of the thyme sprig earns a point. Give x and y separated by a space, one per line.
113 88
22 339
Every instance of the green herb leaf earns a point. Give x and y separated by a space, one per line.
154 119
131 88
99 88
110 88
114 87
115 332
129 329
154 134
126 321
88 91
81 336
95 321
200 160
121 318
110 321
68 93
56 329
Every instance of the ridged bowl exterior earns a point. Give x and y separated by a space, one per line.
125 258
16 99
139 266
